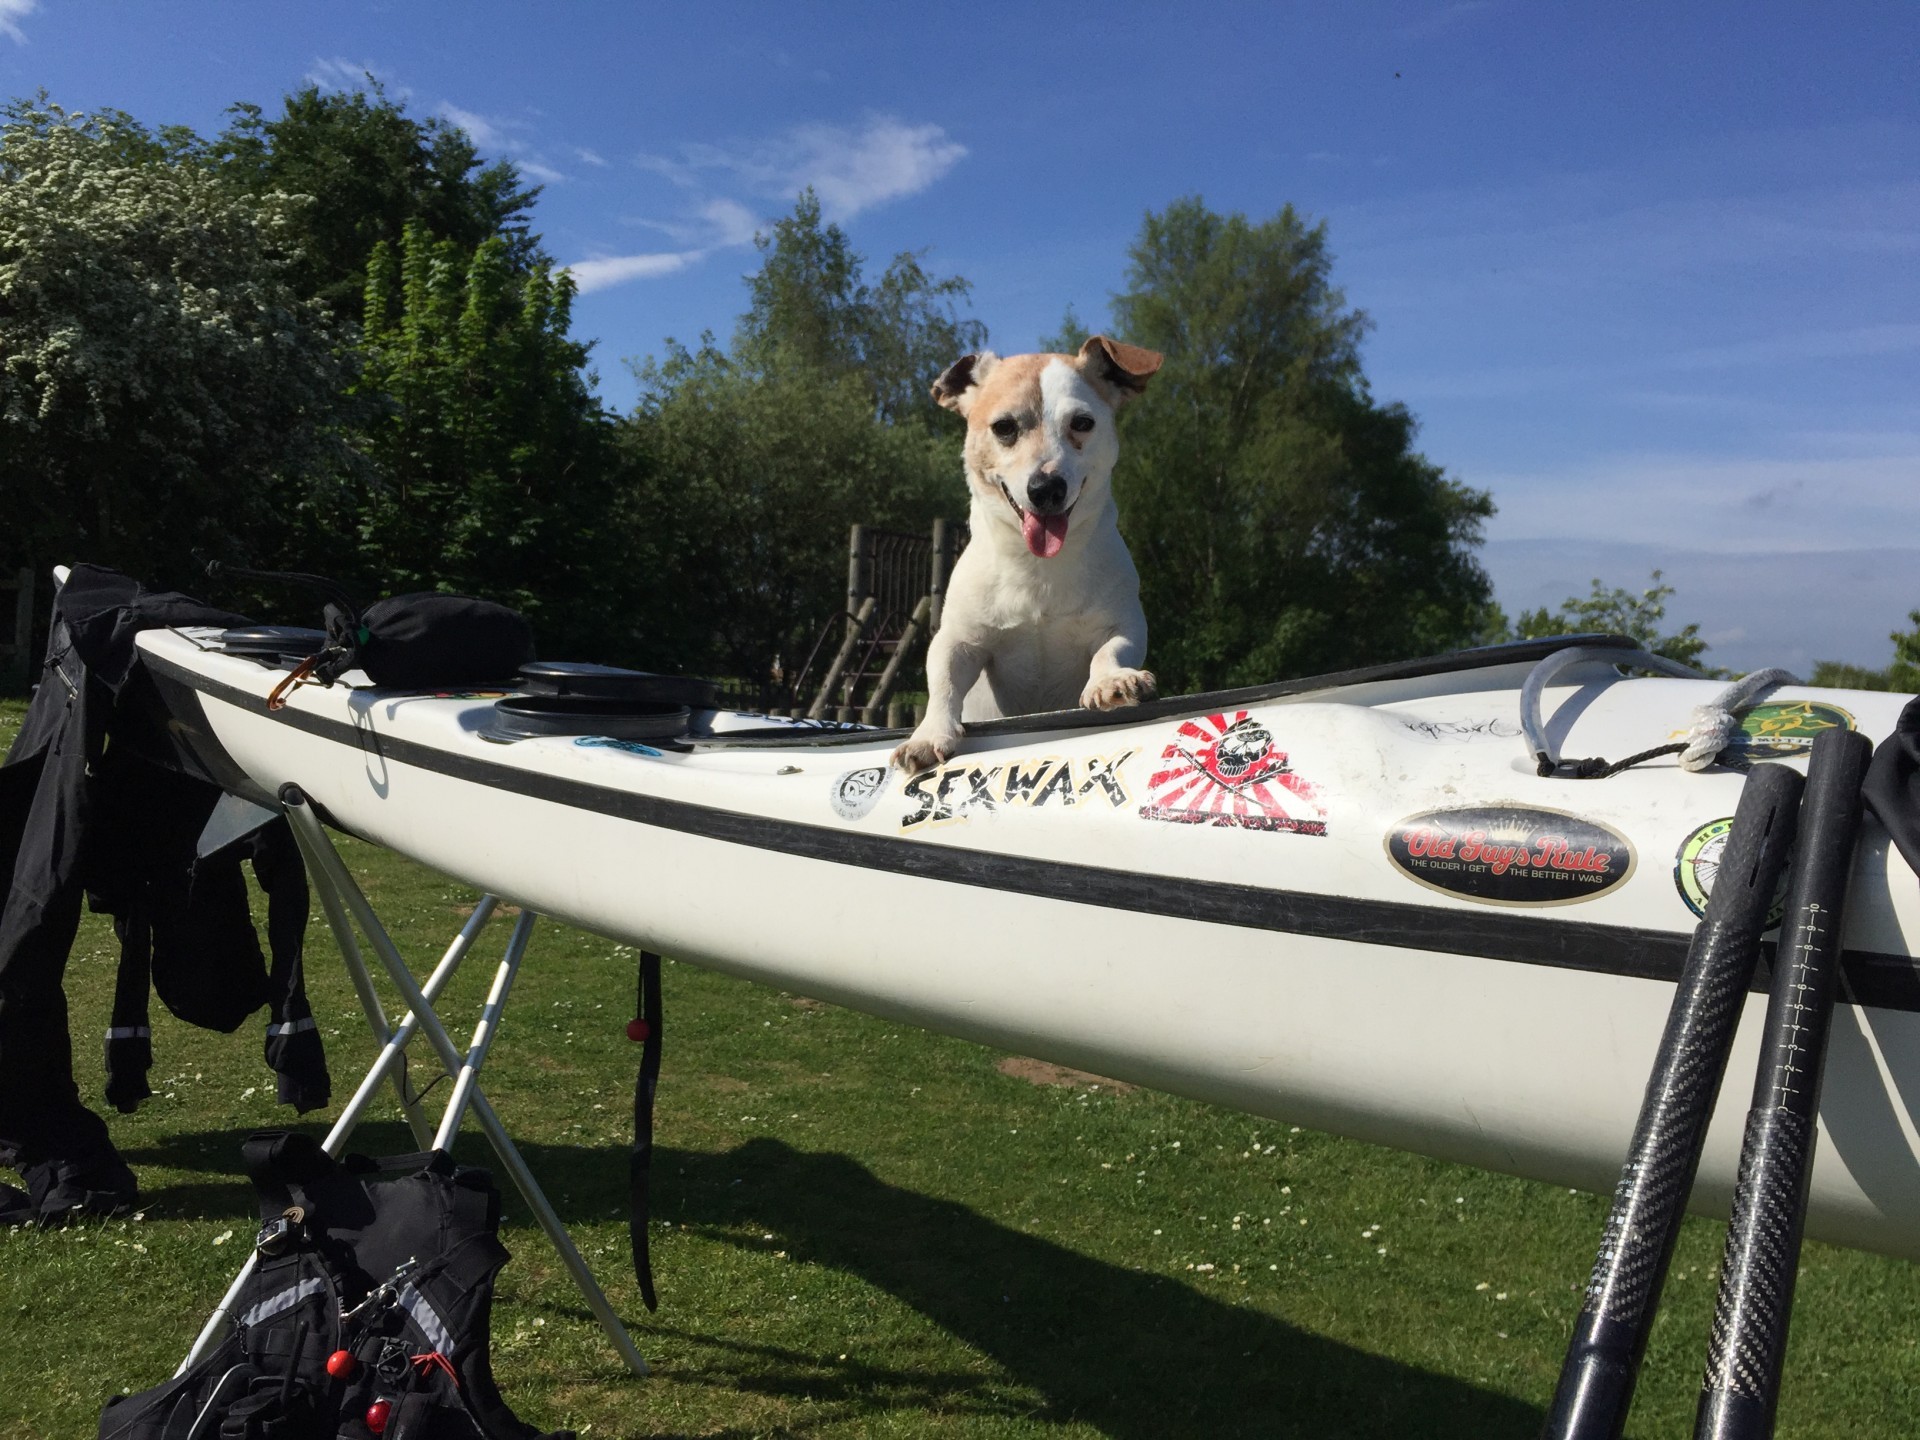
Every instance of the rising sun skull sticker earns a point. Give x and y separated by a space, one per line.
1226 770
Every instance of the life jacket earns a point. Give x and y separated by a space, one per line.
368 1316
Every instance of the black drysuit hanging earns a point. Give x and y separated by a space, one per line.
82 810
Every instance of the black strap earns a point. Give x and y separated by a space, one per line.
278 1160
640 1165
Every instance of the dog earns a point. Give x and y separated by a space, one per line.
1043 607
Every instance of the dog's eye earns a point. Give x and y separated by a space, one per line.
1080 424
1005 430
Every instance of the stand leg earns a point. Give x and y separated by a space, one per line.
392 1052
356 1108
329 872
363 986
483 1033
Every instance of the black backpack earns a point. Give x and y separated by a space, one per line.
368 1315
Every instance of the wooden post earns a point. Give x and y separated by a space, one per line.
859 567
876 706
858 627
937 581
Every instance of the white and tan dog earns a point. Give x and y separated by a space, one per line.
1043 608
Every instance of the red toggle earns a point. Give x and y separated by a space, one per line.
341 1365
377 1415
638 1030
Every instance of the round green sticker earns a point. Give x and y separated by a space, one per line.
1699 863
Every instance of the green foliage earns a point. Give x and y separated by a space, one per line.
1072 335
811 308
746 484
162 384
1619 612
1281 520
493 463
1902 675
373 169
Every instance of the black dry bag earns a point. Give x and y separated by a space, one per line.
416 642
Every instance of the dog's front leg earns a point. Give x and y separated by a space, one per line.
1113 678
952 668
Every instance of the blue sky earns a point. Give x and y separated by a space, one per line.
1649 273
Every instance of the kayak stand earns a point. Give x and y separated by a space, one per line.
345 906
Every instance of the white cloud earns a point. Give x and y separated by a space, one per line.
851 168
12 12
732 222
606 270
483 132
712 224
1829 500
589 157
854 171
493 133
339 73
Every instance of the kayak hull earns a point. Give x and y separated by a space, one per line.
1291 953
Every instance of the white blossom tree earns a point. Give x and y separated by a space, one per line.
162 388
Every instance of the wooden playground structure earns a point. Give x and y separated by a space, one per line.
896 586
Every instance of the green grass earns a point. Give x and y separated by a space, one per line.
865 1230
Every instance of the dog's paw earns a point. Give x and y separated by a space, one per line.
1121 687
924 752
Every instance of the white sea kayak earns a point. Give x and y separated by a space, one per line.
1349 903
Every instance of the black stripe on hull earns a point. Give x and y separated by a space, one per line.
1888 981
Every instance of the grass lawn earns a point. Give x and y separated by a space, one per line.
865 1230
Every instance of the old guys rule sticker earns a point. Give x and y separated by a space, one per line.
1511 854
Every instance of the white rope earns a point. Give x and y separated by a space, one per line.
1714 723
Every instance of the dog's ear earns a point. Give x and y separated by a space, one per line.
959 383
1121 371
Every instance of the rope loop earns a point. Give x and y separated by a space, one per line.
1715 726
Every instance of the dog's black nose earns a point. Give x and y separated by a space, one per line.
1046 493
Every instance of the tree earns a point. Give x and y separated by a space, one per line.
373 170
749 466
1620 612
163 387
1903 674
810 307
493 462
751 482
1281 520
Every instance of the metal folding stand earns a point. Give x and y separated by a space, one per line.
345 905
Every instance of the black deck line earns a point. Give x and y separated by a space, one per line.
1882 979
1210 702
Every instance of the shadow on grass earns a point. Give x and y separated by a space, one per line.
1133 1354
1130 1353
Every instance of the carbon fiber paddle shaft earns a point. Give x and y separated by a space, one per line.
1610 1337
1755 1304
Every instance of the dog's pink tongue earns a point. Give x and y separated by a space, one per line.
1045 534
